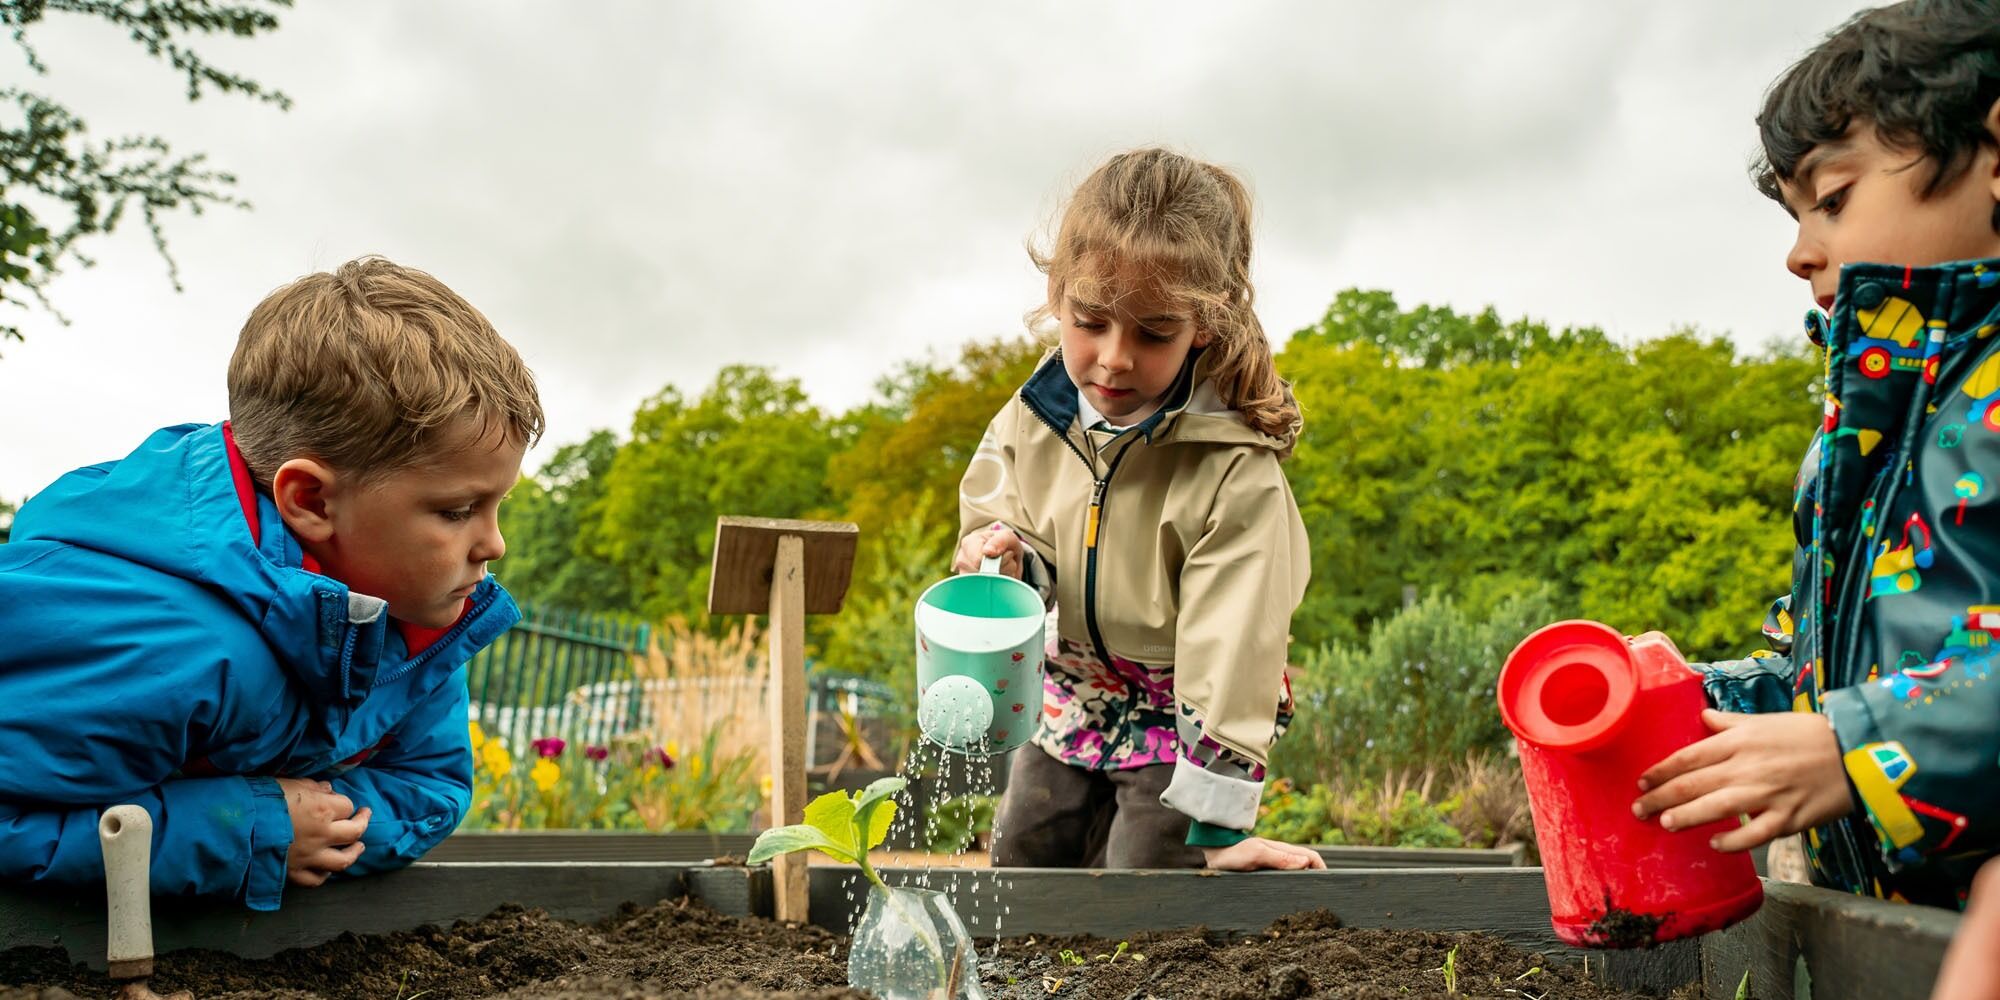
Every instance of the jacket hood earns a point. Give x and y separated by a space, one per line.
1194 411
173 507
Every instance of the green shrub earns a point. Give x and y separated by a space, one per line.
1477 802
958 823
1419 694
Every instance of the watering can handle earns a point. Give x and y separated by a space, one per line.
990 564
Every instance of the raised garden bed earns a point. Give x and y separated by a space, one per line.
590 845
1395 923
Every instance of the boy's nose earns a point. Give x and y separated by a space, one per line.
1806 257
491 547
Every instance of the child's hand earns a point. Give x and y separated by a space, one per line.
1971 969
1783 769
326 831
998 540
1256 852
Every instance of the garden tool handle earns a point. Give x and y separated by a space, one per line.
126 835
990 564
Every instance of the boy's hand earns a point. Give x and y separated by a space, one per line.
326 831
1971 969
1783 769
1256 852
998 540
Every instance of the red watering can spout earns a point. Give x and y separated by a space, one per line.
1593 711
1569 687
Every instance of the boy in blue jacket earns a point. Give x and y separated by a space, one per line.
1873 725
256 630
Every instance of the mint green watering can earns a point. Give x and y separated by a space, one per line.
979 661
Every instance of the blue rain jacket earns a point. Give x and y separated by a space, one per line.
152 652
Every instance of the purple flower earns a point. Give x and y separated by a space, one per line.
660 755
550 746
596 752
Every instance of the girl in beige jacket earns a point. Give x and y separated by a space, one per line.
1134 481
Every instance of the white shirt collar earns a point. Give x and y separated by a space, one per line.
1088 416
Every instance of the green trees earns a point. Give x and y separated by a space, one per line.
1473 458
60 188
752 443
1649 487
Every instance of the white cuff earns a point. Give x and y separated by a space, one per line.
1215 799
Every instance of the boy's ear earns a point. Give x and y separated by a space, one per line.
1993 133
302 488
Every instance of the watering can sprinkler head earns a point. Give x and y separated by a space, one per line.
955 713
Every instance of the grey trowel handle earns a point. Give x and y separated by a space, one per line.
126 834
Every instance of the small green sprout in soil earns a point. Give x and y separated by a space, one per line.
1450 970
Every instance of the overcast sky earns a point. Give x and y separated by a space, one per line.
640 193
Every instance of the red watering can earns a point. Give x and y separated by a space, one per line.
1593 710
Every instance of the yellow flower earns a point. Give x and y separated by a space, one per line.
694 767
765 785
478 735
652 773
545 774
496 758
673 750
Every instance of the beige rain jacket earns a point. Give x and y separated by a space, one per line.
1178 543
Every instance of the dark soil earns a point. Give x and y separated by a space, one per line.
682 949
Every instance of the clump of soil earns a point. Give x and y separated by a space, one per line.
681 949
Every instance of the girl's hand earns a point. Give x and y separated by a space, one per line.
998 540
1782 768
1256 852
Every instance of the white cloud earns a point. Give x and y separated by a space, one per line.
640 193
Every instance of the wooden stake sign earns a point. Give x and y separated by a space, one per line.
787 569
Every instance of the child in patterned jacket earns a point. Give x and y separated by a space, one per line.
1874 723
1134 480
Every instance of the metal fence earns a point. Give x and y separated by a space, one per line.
571 674
559 673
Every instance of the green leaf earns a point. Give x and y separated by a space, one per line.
786 839
874 810
877 790
880 815
833 815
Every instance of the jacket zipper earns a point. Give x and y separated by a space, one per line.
1861 565
1094 520
444 640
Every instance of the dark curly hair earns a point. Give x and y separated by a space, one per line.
1923 72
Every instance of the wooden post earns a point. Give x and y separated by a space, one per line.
788 569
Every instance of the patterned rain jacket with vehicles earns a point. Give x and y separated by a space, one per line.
1895 607
1174 555
162 643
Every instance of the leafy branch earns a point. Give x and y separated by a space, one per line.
46 154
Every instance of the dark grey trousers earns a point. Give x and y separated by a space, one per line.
1056 815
